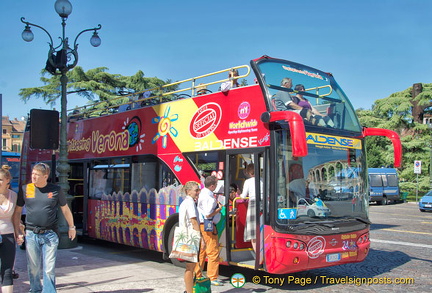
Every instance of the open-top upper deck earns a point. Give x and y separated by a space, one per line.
322 102
187 88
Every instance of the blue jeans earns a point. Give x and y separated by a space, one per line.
41 249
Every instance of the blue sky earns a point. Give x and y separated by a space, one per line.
373 47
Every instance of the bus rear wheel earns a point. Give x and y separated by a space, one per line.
175 261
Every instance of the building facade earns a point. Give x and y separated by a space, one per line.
427 119
12 134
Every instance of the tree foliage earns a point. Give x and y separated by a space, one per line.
96 85
396 113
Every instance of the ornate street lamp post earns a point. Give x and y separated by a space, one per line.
60 60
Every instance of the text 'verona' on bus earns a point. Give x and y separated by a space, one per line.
129 161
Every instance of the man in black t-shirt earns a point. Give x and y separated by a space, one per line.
42 200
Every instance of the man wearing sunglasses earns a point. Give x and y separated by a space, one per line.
42 200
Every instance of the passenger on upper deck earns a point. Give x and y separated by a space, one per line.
283 100
74 116
317 118
201 89
232 83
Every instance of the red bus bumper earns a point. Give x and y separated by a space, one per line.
288 253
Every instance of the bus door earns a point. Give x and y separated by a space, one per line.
236 175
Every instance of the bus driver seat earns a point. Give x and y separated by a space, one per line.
295 173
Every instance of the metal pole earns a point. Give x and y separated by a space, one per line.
63 166
53 166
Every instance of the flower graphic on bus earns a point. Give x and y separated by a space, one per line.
165 127
133 127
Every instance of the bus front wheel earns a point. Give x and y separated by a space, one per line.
175 261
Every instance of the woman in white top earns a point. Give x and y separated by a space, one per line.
188 216
249 191
8 200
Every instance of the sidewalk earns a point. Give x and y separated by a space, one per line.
105 267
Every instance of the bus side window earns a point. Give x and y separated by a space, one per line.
98 183
144 175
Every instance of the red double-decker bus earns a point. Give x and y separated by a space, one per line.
129 162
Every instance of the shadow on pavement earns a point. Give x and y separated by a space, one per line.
376 263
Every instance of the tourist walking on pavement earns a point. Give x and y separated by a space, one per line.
209 208
8 200
188 213
42 200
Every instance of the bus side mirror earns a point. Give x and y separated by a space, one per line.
393 136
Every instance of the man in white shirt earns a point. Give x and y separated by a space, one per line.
209 208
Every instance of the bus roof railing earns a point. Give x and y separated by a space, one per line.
306 91
153 96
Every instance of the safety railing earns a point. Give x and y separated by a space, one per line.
156 95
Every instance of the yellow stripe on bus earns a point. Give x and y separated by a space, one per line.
332 141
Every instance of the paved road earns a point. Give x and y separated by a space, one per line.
401 251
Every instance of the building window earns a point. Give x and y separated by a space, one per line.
4 131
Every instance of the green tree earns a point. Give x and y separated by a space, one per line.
402 113
96 85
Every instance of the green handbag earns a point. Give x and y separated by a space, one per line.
202 285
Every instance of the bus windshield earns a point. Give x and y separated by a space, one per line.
287 83
326 186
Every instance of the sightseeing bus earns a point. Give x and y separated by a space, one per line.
12 159
129 162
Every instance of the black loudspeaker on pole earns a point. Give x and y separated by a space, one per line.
44 129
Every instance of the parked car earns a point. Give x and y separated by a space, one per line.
425 203
312 208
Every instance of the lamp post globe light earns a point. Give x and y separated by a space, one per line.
60 60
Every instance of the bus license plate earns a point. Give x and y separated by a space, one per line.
333 257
